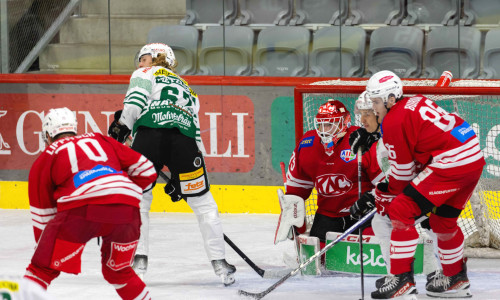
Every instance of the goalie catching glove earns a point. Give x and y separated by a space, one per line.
362 138
293 213
118 131
363 205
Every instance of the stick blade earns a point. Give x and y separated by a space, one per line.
250 295
268 274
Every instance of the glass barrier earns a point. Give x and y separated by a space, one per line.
283 38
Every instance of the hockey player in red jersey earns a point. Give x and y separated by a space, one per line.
435 164
82 187
323 160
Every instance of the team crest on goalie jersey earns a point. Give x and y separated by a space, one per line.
347 155
333 185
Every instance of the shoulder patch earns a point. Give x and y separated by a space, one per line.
463 132
347 155
307 142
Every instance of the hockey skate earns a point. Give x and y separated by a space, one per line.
456 286
436 275
224 270
140 265
401 286
379 282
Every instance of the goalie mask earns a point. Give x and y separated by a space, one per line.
57 121
154 49
384 84
331 122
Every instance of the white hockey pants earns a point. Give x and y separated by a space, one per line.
207 213
145 206
382 227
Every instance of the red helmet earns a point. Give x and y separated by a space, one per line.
332 121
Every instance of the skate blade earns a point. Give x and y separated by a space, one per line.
451 294
406 297
228 279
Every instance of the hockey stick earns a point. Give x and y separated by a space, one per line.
262 273
310 260
362 267
259 271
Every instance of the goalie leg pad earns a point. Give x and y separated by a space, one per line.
206 211
309 245
293 212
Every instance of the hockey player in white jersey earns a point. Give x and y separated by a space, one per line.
161 112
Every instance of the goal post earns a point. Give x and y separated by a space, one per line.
476 101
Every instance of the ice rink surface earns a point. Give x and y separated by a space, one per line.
179 268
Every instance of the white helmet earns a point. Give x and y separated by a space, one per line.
156 48
384 84
57 121
363 103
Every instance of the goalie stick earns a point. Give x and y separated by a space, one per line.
354 227
262 273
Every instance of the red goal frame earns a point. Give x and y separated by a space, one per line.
358 89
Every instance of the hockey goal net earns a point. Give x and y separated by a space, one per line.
477 101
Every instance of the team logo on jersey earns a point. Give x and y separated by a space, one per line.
463 132
307 142
347 155
197 162
333 185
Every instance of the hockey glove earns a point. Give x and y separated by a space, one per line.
118 131
172 191
293 213
383 198
362 138
363 206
